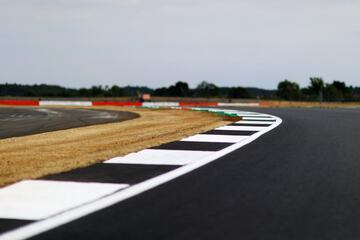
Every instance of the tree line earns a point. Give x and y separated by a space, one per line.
179 89
287 90
318 90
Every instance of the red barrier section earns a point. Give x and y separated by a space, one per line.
198 104
19 102
123 104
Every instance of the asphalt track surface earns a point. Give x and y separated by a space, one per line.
15 122
299 181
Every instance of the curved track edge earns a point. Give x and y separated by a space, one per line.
253 125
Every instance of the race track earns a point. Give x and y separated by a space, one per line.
15 122
298 181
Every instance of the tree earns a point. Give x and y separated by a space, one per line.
238 92
331 93
341 86
164 91
84 92
180 89
115 91
288 90
97 91
206 89
316 86
337 91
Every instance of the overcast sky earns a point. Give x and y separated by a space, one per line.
80 43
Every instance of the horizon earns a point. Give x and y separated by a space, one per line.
154 88
140 86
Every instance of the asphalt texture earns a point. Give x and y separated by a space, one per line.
16 122
299 181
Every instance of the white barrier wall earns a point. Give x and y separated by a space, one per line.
160 104
145 104
65 103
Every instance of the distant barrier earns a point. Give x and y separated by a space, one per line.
160 104
250 104
65 103
114 103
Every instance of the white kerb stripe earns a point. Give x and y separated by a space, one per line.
252 115
39 199
241 128
161 157
214 138
255 122
257 118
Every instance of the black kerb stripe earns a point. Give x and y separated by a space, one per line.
249 124
260 120
253 116
230 132
194 146
112 173
10 224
